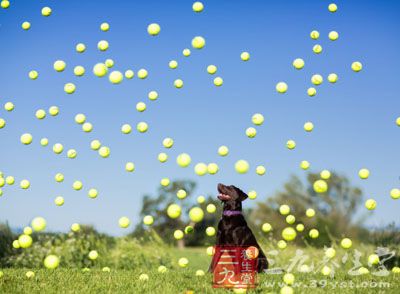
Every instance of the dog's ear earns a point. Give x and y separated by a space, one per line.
242 196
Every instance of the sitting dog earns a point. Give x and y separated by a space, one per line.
232 228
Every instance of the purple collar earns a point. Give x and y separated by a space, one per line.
231 212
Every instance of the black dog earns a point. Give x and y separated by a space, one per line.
232 228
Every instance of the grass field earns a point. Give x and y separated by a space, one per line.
178 280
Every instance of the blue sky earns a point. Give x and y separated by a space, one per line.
354 119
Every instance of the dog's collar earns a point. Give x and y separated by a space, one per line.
231 212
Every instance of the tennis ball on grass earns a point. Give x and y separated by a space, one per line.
51 262
330 252
183 262
93 255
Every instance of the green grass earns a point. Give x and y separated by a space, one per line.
178 280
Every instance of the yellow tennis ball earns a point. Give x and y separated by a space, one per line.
260 170
79 70
300 227
44 142
162 269
332 7
75 227
28 231
69 88
314 35
72 153
26 139
142 73
126 129
124 222
317 49
116 77
333 35
183 160
100 70
59 177
289 234
218 81
211 208
25 241
282 244
198 42
395 193
200 273
59 201
109 63
30 274
87 127
311 92
80 118
93 255
15 244
325 174
148 220
80 47
33 74
181 194
102 45
320 186
197 6
398 121
210 231
370 204
326 270
356 66
332 78
129 74
183 262
54 110
9 106
201 199
317 79
93 193
373 259
153 95
46 11
281 87
291 144
257 119
165 182
313 233
298 63
211 69
363 270
210 250
129 166
223 150
95 145
245 56
168 142
178 234
10 180
242 166
26 25
251 132
396 270
212 168
178 83
174 211
104 27
346 243
51 262
77 185
173 64
59 65
2 123
330 252
106 269
196 214
186 52
363 173
38 224
290 219
104 151
308 126
153 29
266 227
288 278
142 127
5 4
284 209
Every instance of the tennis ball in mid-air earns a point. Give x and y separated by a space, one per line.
200 169
178 83
198 42
124 222
44 142
51 262
26 139
330 252
129 166
28 231
104 151
363 173
370 204
25 184
332 78
298 63
59 177
373 259
181 194
142 73
26 25
314 35
80 118
325 174
317 79
80 47
290 219
311 92
173 64
79 70
320 186
242 166
189 229
257 119
93 193
398 121
201 199
162 269
210 250
308 126
15 244
104 27
304 164
168 142
5 4
346 243
77 185
196 214
72 153
75 227
183 262
266 227
313 233
218 81
212 168
100 70
38 224
178 234
356 66
116 77
40 114
310 212
289 234
54 110
333 35
33 74
186 52
69 88
211 69
59 201
153 29
251 132
46 11
148 220
260 170
87 127
211 208
129 74
2 123
25 241
102 45
9 106
95 145
126 129
109 63
332 7
174 211
59 65
291 144
197 6
281 87
300 227
93 255
282 244
223 150
284 209
395 193
245 56
142 127
153 95
165 182
317 49
252 194
183 160
288 278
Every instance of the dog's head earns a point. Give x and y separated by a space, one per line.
231 196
